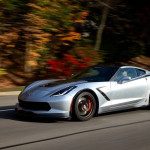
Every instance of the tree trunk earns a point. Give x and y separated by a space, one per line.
101 26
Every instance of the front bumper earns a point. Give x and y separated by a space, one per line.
52 113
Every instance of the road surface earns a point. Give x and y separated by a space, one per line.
125 130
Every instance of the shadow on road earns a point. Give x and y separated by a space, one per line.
8 112
7 107
123 111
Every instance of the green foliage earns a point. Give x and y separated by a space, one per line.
14 4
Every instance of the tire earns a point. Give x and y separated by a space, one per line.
84 106
148 106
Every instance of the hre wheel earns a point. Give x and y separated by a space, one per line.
84 106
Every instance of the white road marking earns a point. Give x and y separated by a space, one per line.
7 110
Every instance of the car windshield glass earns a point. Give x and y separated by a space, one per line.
96 74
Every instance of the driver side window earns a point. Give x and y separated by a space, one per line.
126 72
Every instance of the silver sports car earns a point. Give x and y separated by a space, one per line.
95 90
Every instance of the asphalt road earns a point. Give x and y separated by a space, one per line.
126 130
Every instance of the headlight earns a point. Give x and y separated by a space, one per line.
64 91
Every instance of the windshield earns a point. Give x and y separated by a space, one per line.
96 74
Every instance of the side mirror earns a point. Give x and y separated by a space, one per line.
124 79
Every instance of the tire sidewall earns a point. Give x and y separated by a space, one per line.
75 107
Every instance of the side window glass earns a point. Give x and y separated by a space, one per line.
129 72
140 72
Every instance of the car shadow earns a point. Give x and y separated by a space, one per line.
8 112
7 107
122 111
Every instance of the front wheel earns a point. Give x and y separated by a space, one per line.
149 103
84 107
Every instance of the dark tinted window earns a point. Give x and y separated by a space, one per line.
140 72
96 74
129 72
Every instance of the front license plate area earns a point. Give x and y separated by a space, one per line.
26 113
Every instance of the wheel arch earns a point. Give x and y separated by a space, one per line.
149 99
85 90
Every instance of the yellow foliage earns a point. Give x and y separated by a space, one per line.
36 20
2 71
10 46
34 6
32 63
34 54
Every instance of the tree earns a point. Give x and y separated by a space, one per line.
116 27
105 10
38 30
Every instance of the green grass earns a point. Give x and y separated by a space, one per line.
17 88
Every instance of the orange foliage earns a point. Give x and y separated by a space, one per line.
7 38
71 36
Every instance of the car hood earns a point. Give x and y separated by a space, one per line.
49 88
62 83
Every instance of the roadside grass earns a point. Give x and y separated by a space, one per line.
17 88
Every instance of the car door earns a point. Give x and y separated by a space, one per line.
129 93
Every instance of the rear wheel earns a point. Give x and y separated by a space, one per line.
84 107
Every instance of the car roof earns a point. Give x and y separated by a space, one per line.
119 66
133 67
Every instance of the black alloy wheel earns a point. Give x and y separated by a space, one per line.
84 106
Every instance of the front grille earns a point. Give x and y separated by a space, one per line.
34 105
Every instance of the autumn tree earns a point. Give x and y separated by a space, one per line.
9 33
32 31
52 29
